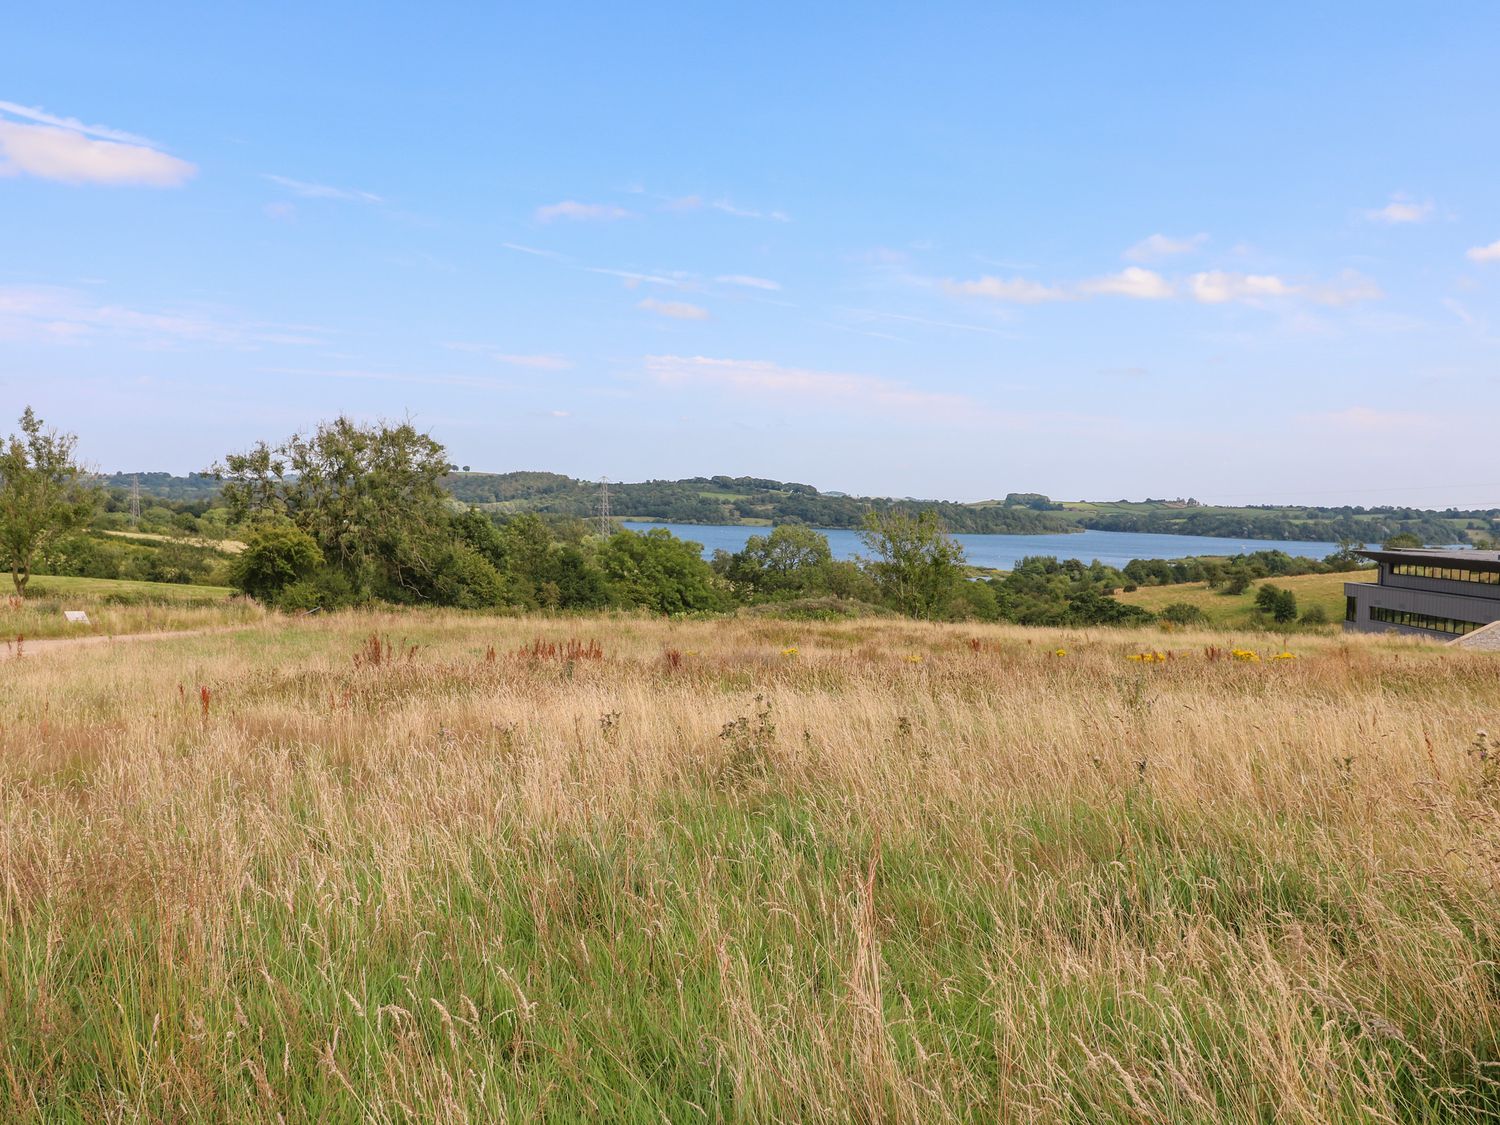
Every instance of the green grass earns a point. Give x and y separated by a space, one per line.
1324 590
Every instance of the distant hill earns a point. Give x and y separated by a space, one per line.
165 486
730 500
760 500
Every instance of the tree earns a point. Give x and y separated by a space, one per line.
1405 541
44 494
917 565
1236 581
660 572
1280 605
792 561
371 497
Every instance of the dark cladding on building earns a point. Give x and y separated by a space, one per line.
1439 594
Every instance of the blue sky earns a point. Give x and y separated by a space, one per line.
1090 250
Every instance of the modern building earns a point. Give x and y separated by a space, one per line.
1437 594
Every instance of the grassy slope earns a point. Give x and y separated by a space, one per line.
910 873
1325 590
99 588
118 607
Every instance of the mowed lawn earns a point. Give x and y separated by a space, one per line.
1325 590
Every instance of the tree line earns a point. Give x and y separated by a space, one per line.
352 514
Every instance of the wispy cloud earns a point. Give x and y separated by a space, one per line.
43 313
420 378
581 212
928 322
538 362
677 310
1401 209
307 190
1157 246
1367 420
1018 290
1490 253
532 250
632 278
763 378
728 207
64 149
747 281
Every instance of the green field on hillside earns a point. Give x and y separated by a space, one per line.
97 589
1325 590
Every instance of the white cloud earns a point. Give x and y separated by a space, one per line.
677 310
1209 287
67 150
1401 209
1156 246
747 281
1490 253
322 191
581 212
1215 287
1141 284
1017 289
1350 288
762 378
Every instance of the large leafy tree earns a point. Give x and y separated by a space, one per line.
792 561
370 496
917 565
660 572
44 494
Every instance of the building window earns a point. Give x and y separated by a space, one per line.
1422 621
1351 608
1447 573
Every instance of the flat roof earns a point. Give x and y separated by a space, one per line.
1456 557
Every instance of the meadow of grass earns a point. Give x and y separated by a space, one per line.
118 607
1325 591
437 867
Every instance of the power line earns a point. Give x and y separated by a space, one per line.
606 528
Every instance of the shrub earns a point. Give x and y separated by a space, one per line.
1183 613
275 557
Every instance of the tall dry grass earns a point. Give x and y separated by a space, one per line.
752 871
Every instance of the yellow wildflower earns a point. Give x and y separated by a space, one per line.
789 652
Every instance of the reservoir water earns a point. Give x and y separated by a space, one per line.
1115 548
